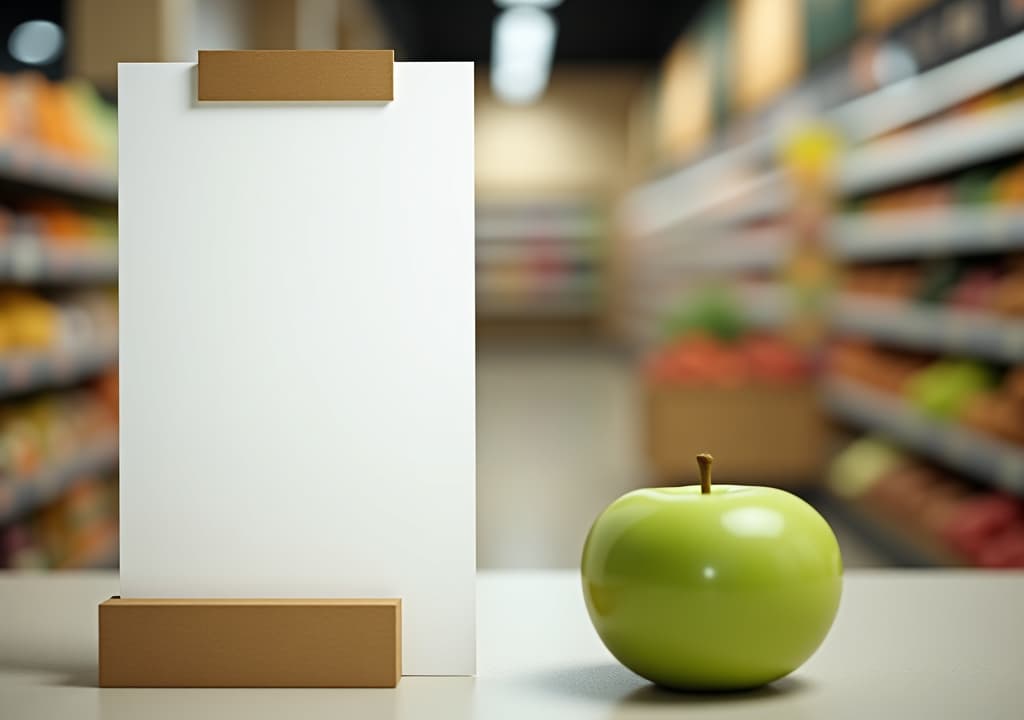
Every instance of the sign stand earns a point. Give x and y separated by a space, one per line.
262 642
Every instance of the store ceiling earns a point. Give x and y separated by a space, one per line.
640 31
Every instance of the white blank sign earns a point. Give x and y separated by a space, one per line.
297 349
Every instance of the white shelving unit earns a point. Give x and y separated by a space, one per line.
987 459
898 235
30 260
22 496
932 329
935 148
29 371
39 169
698 223
556 308
931 92
743 200
719 180
515 252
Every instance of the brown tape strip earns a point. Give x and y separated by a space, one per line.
366 75
250 643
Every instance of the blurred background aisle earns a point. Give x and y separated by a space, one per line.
558 440
787 232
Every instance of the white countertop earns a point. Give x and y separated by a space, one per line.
906 645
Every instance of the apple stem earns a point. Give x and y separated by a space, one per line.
704 461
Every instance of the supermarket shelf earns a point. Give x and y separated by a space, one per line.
932 91
742 201
33 260
555 231
757 249
923 327
26 372
894 540
915 233
527 253
101 552
933 149
666 201
539 309
988 460
766 196
37 169
19 497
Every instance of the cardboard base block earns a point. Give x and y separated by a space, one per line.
250 643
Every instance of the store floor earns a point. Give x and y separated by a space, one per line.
558 439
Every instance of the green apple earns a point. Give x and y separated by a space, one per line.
711 588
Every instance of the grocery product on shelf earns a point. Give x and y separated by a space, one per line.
929 507
64 323
77 530
1000 411
943 389
990 184
49 432
888 370
51 449
983 397
993 285
64 121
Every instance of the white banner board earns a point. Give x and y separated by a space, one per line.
297 349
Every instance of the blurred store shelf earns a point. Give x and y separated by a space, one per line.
22 496
753 249
932 149
538 309
39 170
765 196
566 229
930 92
25 372
539 258
728 205
931 328
901 543
986 459
27 260
897 235
515 252
99 552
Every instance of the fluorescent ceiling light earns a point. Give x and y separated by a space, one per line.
543 4
523 46
36 42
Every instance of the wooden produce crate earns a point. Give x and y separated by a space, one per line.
772 434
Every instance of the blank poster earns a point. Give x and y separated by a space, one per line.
297 349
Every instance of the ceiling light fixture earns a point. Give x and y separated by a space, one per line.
523 46
543 4
36 42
